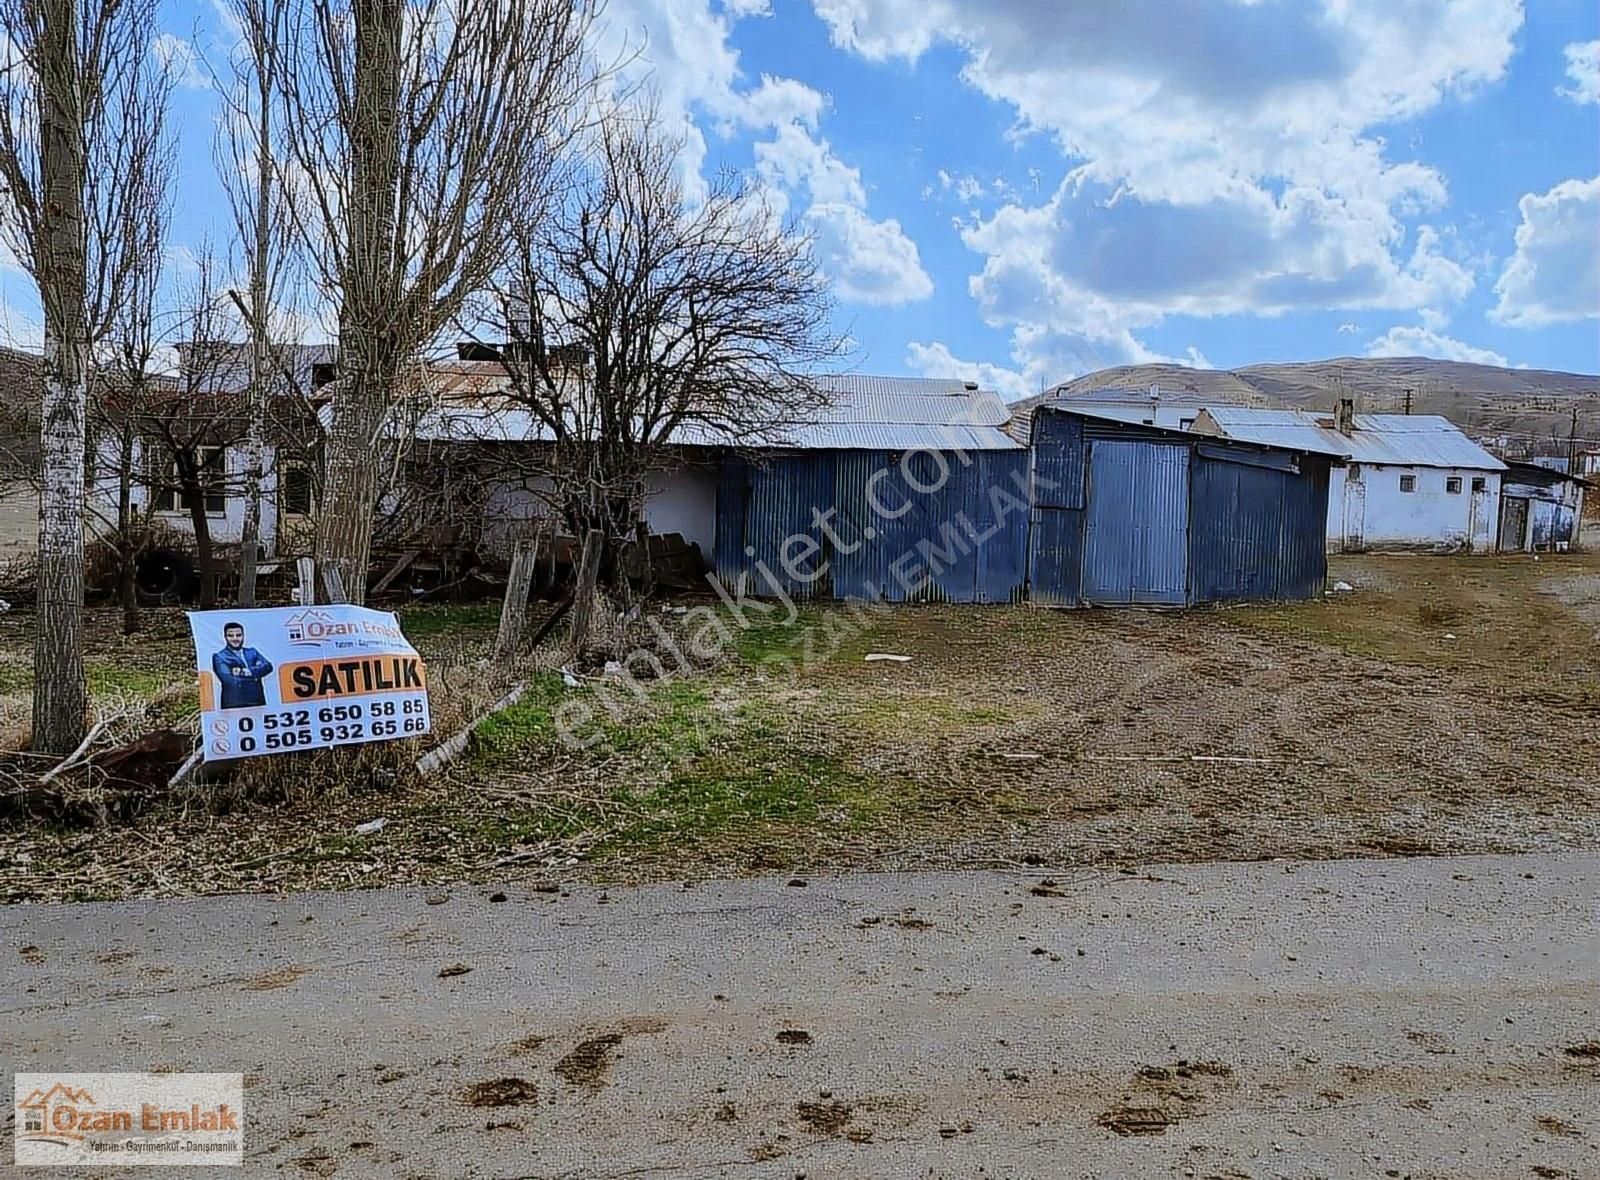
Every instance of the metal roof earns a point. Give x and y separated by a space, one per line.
1400 440
861 413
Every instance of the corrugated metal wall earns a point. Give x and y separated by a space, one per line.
1055 542
1136 528
1256 532
922 527
1119 518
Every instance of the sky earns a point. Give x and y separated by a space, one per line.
1022 191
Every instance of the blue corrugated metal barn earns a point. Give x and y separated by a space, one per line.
902 490
1125 514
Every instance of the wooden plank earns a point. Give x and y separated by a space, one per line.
514 610
333 584
448 751
306 572
398 568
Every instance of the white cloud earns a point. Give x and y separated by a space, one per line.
778 101
1583 71
967 188
1554 275
681 51
1227 156
936 360
1423 341
181 60
869 261
1349 329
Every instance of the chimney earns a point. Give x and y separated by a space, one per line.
1344 418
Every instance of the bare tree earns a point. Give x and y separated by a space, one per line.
415 131
81 128
635 319
126 378
246 150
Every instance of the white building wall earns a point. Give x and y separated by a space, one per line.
679 500
226 527
684 501
1378 515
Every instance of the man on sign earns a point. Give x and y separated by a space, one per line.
240 670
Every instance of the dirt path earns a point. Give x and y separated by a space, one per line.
1408 1016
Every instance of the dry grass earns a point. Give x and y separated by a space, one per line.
1013 736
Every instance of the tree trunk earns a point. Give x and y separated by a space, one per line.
128 545
344 524
250 530
59 690
204 554
369 356
583 593
260 360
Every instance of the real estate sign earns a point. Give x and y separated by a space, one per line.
304 677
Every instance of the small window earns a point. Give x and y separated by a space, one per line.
1453 485
1479 483
323 372
294 490
171 497
1408 483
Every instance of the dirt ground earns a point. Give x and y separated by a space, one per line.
1444 705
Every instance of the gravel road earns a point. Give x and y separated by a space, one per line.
1401 1017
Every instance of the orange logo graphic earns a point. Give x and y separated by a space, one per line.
57 1115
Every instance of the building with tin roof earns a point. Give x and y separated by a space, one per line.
1409 481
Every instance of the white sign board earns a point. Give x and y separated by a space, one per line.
303 678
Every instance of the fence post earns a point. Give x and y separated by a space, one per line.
514 610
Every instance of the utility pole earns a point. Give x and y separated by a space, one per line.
1572 444
1408 402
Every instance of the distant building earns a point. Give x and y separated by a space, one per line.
1541 507
1411 481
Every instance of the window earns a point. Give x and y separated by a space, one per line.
294 489
1408 483
1453 485
213 470
1479 483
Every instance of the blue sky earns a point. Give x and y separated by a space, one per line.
1020 191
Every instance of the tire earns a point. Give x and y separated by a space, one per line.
167 575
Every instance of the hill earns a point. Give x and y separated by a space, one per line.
1486 399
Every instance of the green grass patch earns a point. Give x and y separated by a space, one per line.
527 726
16 677
434 622
751 792
107 677
814 636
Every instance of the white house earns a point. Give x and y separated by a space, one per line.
286 494
1410 481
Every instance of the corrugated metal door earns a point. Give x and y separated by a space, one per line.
1513 524
1136 539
